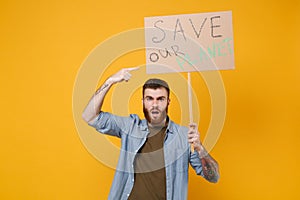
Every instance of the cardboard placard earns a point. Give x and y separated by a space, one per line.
189 42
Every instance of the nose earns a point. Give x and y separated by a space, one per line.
154 103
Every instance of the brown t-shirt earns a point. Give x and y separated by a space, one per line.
150 175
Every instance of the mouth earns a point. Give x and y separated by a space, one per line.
154 112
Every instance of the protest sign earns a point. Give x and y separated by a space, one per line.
189 42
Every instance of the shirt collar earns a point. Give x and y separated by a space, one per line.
170 125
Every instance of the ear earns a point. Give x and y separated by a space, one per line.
169 100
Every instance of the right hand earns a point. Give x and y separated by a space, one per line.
123 74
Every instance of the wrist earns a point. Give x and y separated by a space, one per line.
109 81
202 152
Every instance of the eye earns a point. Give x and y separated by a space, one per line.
148 99
161 99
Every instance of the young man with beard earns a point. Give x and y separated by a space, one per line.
155 152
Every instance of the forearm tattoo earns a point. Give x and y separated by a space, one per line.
102 88
210 169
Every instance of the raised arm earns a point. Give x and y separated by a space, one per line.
210 166
94 106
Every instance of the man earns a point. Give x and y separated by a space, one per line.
155 152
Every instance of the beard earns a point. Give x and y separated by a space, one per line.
147 115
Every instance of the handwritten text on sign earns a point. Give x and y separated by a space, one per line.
186 43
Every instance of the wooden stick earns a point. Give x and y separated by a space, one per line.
190 98
190 103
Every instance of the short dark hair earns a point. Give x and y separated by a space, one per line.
155 83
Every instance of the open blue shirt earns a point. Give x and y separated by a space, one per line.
133 133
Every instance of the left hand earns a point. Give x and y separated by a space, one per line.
194 136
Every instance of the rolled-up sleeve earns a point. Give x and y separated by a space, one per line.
195 162
110 124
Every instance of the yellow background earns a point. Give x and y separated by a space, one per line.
44 43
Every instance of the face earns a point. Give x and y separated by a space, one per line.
155 105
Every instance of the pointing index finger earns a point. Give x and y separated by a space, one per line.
133 68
